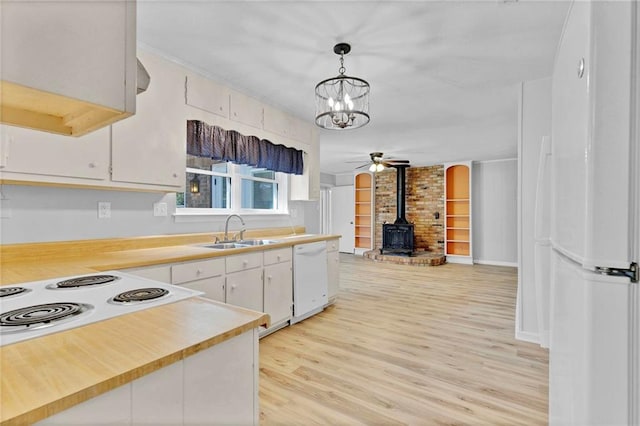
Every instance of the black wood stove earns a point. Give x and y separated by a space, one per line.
397 237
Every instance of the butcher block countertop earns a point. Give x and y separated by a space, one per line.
48 374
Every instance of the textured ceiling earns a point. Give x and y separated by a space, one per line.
444 74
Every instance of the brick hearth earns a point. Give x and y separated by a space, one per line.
419 258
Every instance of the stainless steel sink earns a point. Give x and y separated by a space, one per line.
223 246
238 244
256 242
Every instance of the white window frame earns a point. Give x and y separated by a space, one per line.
233 172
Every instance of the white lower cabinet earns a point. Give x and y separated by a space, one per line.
333 271
278 286
216 386
244 280
221 386
244 289
260 281
278 292
157 398
160 273
111 408
205 275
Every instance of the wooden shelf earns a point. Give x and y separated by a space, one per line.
363 223
458 211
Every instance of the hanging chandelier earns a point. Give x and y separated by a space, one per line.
342 102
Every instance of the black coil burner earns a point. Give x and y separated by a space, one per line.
40 315
140 295
85 281
12 291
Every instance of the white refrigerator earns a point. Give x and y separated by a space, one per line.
594 359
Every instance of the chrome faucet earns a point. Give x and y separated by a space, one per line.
226 228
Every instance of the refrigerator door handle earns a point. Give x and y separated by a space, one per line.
631 273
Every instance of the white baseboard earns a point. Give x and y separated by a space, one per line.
495 263
466 260
528 336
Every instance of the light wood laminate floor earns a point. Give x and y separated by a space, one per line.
407 345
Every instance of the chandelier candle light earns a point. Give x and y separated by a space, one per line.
342 102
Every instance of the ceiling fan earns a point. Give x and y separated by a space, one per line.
378 162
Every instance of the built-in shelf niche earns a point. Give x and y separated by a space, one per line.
458 246
364 208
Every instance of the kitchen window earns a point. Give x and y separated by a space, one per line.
219 187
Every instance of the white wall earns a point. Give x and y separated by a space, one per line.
38 213
494 214
534 124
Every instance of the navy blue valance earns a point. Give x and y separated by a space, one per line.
204 140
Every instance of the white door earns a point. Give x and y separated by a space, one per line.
342 214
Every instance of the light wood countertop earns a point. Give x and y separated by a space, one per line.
46 375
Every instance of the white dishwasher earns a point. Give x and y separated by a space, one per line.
310 281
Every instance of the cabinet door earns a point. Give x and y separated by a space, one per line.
244 289
278 291
43 154
150 147
213 287
277 121
80 50
333 275
220 383
246 110
207 95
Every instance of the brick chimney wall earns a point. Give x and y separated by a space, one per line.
424 197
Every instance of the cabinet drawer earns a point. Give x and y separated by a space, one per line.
277 256
241 262
332 245
191 271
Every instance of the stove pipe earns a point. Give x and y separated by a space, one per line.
400 193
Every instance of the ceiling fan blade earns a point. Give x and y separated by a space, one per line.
395 162
363 166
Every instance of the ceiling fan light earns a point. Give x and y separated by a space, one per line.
372 168
379 167
342 102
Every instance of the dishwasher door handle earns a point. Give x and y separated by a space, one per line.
303 252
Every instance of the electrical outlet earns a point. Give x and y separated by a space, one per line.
104 210
159 209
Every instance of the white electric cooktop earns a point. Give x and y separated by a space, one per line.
34 309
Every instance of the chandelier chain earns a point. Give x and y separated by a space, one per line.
342 69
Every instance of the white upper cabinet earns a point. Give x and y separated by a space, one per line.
26 155
245 110
207 95
283 124
67 67
150 148
277 121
